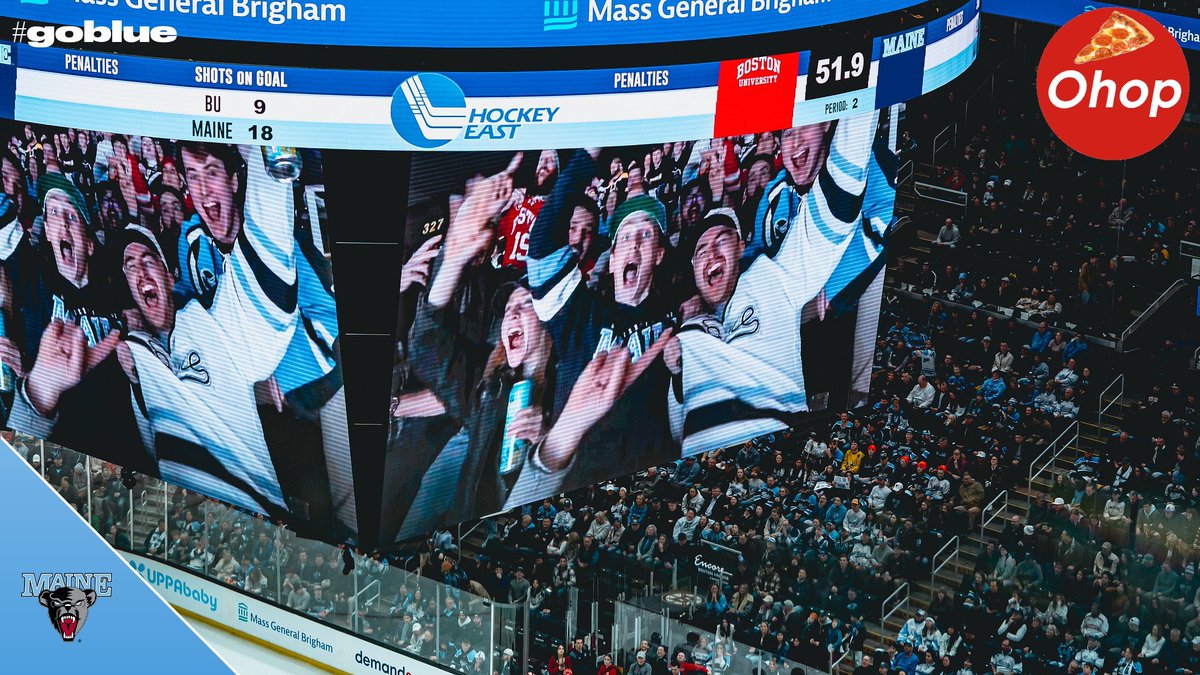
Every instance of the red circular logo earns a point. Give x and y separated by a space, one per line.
1113 84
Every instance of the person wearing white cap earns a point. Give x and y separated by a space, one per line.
910 632
508 664
640 666
1106 561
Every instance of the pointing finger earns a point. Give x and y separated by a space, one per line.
514 163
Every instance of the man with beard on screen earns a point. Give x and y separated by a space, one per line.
740 361
518 218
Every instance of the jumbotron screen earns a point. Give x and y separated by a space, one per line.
370 279
587 313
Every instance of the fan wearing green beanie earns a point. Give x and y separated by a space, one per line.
627 427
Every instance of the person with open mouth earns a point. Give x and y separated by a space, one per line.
185 369
585 323
60 269
739 360
518 352
229 253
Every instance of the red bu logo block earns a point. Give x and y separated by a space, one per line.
756 94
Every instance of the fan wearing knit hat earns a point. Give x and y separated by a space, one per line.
585 323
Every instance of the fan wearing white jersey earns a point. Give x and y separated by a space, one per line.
741 369
192 372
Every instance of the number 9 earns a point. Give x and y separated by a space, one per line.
857 62
260 106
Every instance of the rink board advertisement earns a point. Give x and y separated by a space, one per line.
263 621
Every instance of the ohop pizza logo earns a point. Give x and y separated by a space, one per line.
1113 84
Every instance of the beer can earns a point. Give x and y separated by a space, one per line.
512 450
283 162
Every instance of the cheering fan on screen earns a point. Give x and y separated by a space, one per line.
190 377
740 361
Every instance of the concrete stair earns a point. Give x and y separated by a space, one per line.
1093 433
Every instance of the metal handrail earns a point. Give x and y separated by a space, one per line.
985 519
834 663
991 96
1118 381
366 589
905 172
723 547
937 145
1036 468
1145 315
935 566
885 613
958 198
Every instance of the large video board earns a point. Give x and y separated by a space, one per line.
582 314
556 266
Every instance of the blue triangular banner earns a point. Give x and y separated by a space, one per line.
112 622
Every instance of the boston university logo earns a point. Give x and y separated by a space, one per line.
67 597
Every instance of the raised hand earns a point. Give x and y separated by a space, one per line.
599 387
10 356
469 234
60 365
417 269
529 425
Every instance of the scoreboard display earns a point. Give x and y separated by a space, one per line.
361 109
247 219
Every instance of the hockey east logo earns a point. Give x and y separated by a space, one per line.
67 597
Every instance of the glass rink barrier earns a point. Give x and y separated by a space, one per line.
305 579
654 629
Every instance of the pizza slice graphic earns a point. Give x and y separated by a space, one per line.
1120 34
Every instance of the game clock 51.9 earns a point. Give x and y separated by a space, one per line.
832 72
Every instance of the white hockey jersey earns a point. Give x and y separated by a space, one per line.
197 391
743 375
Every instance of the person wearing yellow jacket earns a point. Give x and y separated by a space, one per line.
852 459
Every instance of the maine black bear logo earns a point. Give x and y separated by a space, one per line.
68 609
